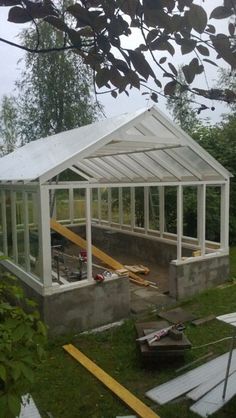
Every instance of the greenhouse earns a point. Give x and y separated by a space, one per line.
127 181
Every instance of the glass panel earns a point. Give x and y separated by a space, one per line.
20 228
1 224
154 208
213 214
126 205
197 162
62 204
95 203
9 223
190 211
171 209
33 234
104 204
139 207
79 203
115 204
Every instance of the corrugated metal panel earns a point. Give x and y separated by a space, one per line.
213 400
186 382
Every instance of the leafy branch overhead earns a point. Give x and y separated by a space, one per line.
97 30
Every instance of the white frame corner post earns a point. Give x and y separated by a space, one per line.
44 237
89 234
224 217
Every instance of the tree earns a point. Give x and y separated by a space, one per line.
54 91
8 126
97 30
180 106
227 79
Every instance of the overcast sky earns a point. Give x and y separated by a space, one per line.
10 70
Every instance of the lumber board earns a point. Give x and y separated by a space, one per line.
124 394
105 258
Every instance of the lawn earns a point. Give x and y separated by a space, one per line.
67 390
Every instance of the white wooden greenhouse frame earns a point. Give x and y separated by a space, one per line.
141 149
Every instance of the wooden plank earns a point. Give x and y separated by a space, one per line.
204 320
124 394
105 258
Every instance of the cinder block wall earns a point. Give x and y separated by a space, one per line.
191 278
117 243
84 308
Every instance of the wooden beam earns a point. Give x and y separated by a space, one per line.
105 258
124 394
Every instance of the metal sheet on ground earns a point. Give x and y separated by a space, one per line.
190 380
213 400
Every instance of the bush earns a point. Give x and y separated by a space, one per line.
23 337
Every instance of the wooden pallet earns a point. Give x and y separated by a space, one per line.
105 258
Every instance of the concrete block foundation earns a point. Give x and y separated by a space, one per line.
193 277
84 308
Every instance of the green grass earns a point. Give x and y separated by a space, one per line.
67 390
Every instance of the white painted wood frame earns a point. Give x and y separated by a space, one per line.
89 234
161 192
146 209
179 221
224 217
26 231
44 237
201 217
4 223
13 227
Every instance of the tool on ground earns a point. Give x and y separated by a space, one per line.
156 335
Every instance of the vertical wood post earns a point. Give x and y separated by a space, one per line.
71 205
132 207
121 216
26 231
44 236
224 217
161 190
4 223
201 217
146 209
179 221
89 233
13 227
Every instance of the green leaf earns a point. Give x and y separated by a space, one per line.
173 69
3 406
210 62
3 373
140 64
154 97
27 372
203 50
187 46
170 87
221 12
14 404
197 18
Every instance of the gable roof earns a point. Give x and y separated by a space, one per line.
140 146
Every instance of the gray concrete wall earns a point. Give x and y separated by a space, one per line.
188 279
84 308
117 244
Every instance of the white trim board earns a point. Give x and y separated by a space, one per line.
190 380
213 400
